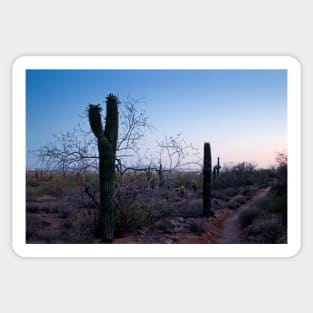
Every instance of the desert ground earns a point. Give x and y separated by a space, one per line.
248 206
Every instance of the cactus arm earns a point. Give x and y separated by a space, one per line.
94 115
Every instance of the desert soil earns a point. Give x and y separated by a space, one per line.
186 227
222 229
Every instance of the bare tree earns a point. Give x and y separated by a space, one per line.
174 154
169 155
72 150
76 150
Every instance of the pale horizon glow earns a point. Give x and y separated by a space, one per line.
242 113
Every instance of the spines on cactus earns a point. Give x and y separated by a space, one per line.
107 143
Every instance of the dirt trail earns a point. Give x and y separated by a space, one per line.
231 228
223 229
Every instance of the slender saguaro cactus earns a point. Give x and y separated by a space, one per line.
218 167
161 176
207 178
107 141
216 170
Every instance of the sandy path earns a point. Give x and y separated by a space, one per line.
231 228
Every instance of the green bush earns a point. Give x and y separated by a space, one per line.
137 215
194 185
57 186
279 205
243 174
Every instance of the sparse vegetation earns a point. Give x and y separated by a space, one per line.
160 202
60 210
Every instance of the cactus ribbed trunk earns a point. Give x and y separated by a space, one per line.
207 179
107 141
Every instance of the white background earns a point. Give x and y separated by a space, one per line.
241 27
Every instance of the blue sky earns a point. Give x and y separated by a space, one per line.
243 113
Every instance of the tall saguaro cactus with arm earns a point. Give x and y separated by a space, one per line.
107 142
207 179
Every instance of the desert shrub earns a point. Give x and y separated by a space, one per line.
218 204
84 225
59 186
39 230
241 199
231 192
187 179
194 185
30 193
279 204
180 191
220 194
264 231
31 229
248 216
243 174
262 177
135 180
138 214
48 204
164 225
282 169
248 190
198 226
262 204
32 180
54 187
240 174
232 205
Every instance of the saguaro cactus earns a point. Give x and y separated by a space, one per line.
107 141
207 179
161 176
218 167
216 170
